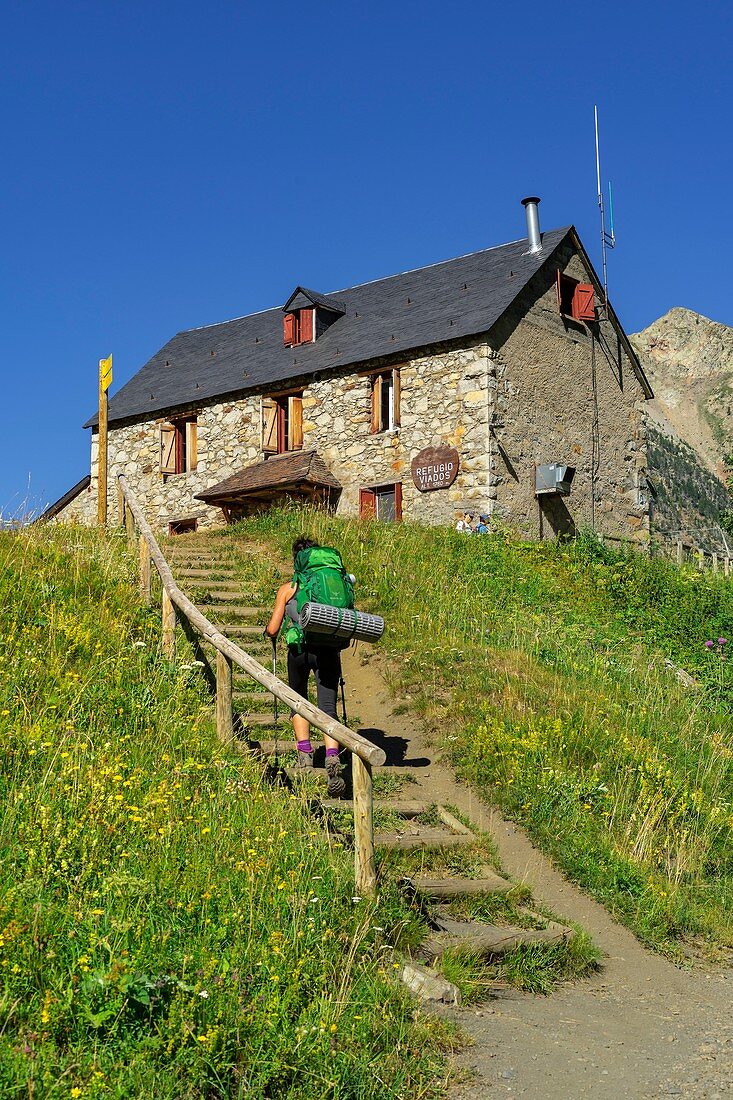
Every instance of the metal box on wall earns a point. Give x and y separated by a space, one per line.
553 478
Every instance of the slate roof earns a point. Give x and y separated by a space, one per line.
65 500
302 298
446 301
290 470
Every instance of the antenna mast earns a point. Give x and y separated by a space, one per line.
608 240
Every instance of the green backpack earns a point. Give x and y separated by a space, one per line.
320 577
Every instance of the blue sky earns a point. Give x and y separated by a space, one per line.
173 165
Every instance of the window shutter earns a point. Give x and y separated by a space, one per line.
367 504
295 419
192 455
289 337
584 302
396 398
377 403
306 326
167 449
269 426
398 500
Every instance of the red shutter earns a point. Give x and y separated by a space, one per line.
367 504
289 337
398 500
306 326
584 302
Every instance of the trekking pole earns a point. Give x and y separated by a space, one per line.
343 702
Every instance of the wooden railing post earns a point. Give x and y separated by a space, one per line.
168 615
715 561
224 725
701 559
121 507
680 552
726 565
144 570
129 526
366 867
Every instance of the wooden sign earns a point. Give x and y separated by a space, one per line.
435 468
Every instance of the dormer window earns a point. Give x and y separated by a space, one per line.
307 315
298 327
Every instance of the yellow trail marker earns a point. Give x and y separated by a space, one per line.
105 373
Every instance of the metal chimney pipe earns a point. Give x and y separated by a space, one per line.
533 223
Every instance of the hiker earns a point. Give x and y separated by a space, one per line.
465 525
482 527
324 661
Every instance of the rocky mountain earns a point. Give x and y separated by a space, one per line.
689 361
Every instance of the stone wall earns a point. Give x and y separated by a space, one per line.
444 401
561 396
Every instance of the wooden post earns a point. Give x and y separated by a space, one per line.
129 526
726 565
224 724
715 561
120 506
366 868
144 570
102 454
680 552
701 559
168 626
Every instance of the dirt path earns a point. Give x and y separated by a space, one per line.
639 1029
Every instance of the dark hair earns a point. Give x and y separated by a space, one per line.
303 543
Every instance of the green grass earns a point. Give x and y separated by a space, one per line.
170 926
542 666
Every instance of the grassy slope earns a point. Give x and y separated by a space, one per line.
168 927
543 667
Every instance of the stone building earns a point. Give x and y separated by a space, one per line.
419 396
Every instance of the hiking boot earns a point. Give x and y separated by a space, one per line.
305 760
336 784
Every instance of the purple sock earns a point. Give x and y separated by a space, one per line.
332 752
305 746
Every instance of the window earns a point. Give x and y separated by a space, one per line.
298 327
182 526
385 401
575 299
282 423
179 446
383 502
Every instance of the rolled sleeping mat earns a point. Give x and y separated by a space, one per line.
341 622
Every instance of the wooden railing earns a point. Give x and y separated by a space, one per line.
365 755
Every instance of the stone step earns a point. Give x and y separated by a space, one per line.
434 889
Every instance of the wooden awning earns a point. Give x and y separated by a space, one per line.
302 472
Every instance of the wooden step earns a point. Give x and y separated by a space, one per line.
436 888
237 611
486 940
259 720
403 809
255 697
426 838
222 574
209 594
